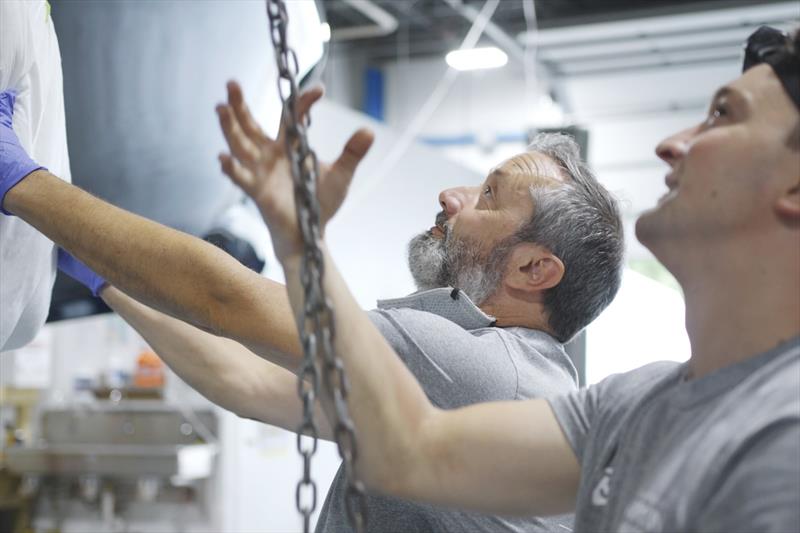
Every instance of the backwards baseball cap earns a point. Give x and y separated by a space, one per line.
775 48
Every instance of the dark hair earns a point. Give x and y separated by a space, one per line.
580 223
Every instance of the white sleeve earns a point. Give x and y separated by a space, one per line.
16 43
30 63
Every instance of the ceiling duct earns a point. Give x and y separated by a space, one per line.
384 22
656 41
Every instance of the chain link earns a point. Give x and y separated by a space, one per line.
317 331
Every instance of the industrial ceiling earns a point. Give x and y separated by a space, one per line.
415 28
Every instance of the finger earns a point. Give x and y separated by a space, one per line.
307 99
303 105
242 113
241 147
342 170
238 174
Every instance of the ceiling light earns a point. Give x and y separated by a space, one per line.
477 58
325 32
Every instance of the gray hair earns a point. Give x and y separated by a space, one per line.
579 223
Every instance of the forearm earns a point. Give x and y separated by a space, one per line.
222 370
164 268
204 361
155 264
386 403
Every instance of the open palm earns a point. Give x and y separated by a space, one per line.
260 166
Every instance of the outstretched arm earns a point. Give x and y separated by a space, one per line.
509 457
222 370
164 268
169 270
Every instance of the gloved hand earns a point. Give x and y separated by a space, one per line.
80 272
14 162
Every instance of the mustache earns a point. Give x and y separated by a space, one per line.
441 219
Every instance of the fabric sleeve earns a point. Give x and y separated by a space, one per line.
575 413
595 411
16 43
760 491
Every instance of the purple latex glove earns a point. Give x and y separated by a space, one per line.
14 162
80 272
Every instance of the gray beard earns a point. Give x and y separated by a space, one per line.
448 262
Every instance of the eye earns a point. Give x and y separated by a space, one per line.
487 190
718 111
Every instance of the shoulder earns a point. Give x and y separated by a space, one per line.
622 389
545 367
455 366
596 412
413 325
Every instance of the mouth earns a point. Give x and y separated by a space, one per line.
672 188
669 195
671 181
440 229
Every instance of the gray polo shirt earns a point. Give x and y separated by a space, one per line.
662 453
459 358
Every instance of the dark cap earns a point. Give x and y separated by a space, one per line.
775 48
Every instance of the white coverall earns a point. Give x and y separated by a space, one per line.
30 63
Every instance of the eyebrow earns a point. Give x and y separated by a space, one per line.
723 92
729 92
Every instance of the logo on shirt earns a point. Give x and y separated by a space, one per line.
641 515
601 490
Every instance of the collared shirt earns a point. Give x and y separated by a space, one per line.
459 358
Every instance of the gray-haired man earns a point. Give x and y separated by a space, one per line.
511 270
709 445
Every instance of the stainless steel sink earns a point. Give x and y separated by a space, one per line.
131 439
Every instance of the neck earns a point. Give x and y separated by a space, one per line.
737 308
515 310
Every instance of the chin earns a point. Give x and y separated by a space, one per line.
653 227
661 235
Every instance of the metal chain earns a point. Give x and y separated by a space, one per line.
317 331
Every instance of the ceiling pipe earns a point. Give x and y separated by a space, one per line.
683 23
384 22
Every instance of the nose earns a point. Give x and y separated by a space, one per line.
455 199
673 148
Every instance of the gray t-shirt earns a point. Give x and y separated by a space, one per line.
459 359
659 452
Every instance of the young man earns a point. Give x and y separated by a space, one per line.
535 255
710 445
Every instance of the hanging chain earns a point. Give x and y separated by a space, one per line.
317 329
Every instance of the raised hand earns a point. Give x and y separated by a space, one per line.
259 165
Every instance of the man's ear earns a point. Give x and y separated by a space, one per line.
533 268
788 205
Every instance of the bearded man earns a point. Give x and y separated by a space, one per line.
712 444
512 269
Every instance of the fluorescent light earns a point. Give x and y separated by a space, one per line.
325 31
477 58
